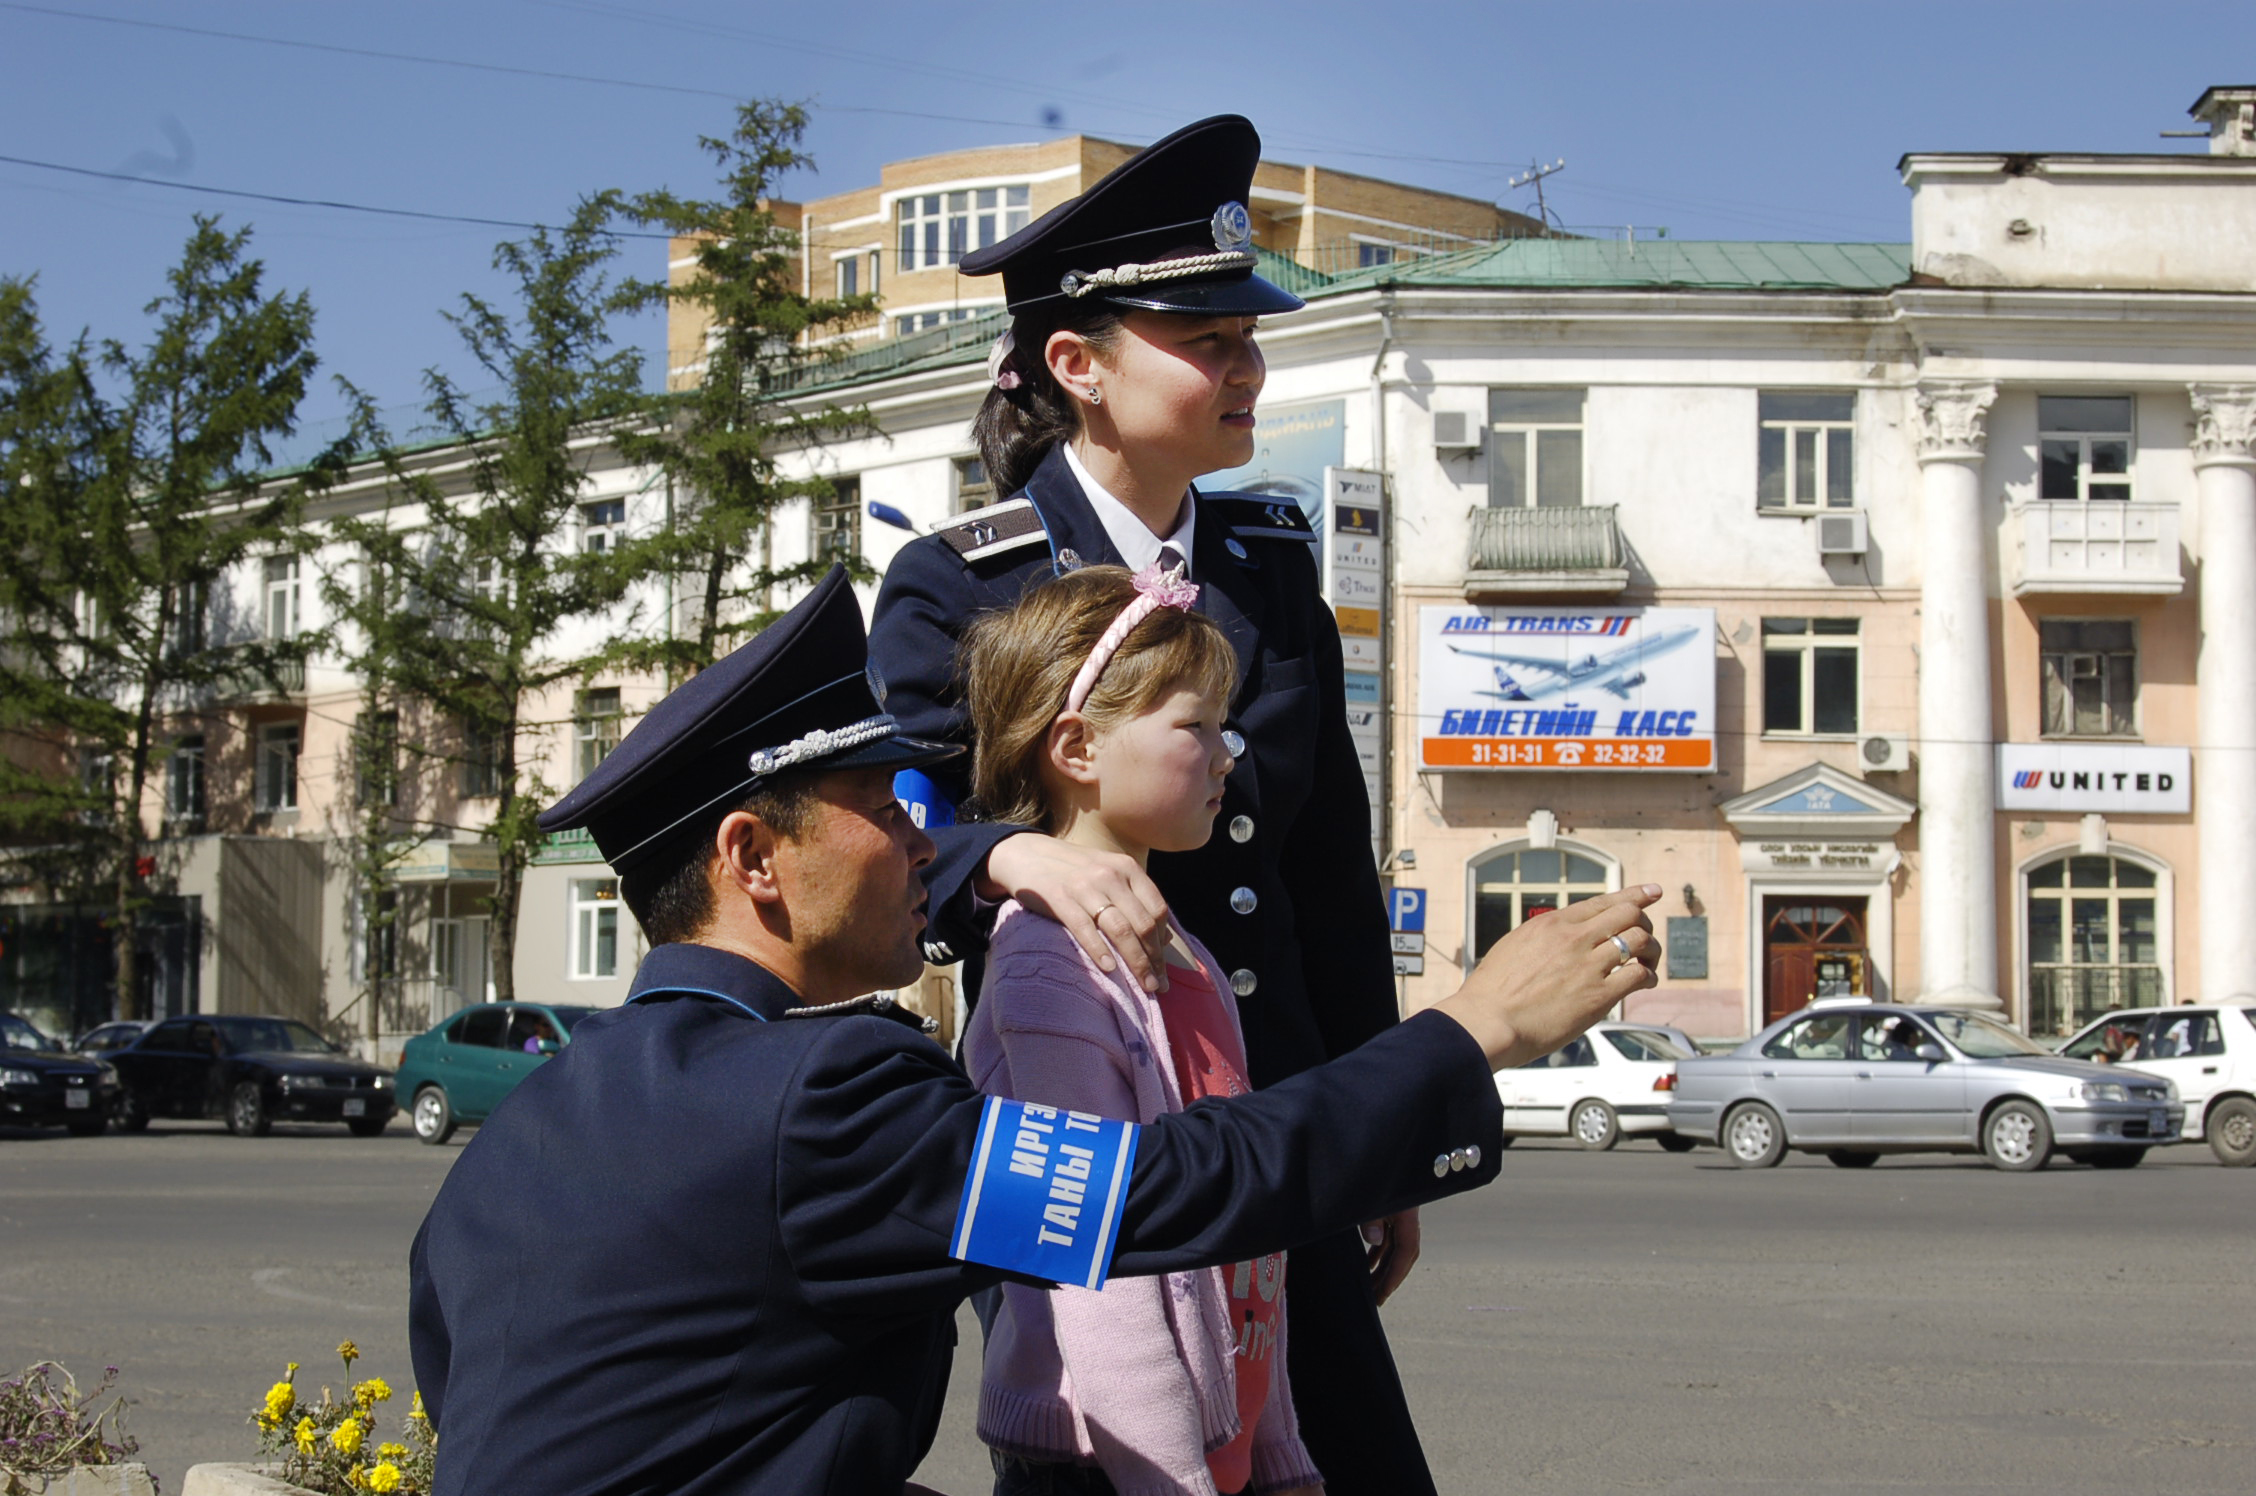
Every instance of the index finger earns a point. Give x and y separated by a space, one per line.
1613 913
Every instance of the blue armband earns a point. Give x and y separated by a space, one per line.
1045 1193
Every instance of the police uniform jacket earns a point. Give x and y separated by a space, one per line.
706 1248
1285 893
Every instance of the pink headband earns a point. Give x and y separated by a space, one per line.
1155 589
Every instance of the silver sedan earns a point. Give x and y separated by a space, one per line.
1854 1082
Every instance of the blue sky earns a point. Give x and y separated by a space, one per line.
1715 120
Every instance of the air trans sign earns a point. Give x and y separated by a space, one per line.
1559 688
2095 777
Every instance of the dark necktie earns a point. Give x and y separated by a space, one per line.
1170 558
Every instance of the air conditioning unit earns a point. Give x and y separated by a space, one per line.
1884 752
1455 430
1841 534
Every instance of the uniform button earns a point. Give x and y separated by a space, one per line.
1472 1156
1235 548
1243 981
1457 1161
1234 742
1441 1166
1243 900
1241 828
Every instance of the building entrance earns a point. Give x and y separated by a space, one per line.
1813 947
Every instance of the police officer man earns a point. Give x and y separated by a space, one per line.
717 1244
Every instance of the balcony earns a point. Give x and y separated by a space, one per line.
2100 546
1563 552
253 676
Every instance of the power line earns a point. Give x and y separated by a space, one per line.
311 202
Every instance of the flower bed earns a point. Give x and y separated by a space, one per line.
55 1442
331 1447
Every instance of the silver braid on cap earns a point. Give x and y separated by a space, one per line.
821 743
1078 283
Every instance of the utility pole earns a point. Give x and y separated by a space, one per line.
1533 177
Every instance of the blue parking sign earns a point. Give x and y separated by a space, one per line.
1406 910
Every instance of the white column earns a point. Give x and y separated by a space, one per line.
2224 780
1957 765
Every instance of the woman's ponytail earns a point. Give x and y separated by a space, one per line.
1017 426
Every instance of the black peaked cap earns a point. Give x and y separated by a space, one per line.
1158 204
806 673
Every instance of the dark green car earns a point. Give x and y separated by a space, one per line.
460 1070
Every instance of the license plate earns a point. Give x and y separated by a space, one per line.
77 1101
2157 1122
356 1108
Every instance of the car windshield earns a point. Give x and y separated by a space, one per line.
17 1034
275 1036
570 1017
1643 1044
1980 1038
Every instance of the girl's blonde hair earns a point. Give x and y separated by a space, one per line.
1019 663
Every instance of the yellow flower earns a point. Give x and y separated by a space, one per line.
385 1477
392 1452
356 1477
372 1392
280 1399
417 1412
293 1368
306 1432
346 1436
350 1352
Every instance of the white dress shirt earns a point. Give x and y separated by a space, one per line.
1130 536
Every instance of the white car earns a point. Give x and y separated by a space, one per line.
1614 1080
2210 1052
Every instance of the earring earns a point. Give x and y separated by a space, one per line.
1095 398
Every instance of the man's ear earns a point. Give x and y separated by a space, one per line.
745 847
1071 748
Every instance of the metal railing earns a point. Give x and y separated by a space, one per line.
1545 540
2062 999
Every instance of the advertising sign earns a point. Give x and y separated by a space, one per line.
2095 777
1565 688
1292 445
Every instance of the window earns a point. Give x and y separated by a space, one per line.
281 597
595 928
1367 255
376 756
2084 446
926 321
481 761
380 947
2093 945
1509 888
849 276
1644 1045
1810 676
603 524
2090 678
940 228
973 487
191 608
2180 1036
1893 1038
184 780
1534 449
838 522
1806 454
1821 1036
595 729
483 1027
277 777
1572 1056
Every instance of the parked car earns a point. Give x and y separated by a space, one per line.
104 1037
250 1072
1856 1082
1613 1081
460 1069
2208 1053
42 1086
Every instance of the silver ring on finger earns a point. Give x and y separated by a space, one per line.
1622 945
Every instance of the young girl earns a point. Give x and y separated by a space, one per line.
1097 704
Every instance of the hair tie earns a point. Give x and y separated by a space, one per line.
1155 589
999 371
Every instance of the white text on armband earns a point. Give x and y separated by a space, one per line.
1045 1192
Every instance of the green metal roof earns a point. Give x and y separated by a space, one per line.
1698 264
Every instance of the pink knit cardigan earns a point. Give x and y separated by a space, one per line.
1138 1378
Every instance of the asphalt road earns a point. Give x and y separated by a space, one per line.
1633 1321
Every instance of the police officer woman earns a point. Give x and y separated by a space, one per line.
1130 369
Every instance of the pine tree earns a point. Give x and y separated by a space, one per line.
718 443
137 484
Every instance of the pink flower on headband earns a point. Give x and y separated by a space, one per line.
1155 589
999 370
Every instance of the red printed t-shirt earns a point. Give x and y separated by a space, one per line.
1203 1043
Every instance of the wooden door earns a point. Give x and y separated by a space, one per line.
1798 933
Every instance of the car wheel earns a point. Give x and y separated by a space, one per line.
434 1119
2232 1132
1753 1136
2114 1158
2017 1137
132 1113
1852 1158
1594 1126
367 1127
1675 1142
246 1111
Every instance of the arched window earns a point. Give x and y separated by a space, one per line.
1515 882
2094 941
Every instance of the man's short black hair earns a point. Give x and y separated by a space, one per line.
670 892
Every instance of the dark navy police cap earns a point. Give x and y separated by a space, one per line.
1166 230
799 694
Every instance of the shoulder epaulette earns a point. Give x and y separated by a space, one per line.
1252 516
995 530
876 1004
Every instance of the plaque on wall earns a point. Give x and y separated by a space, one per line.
1687 952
